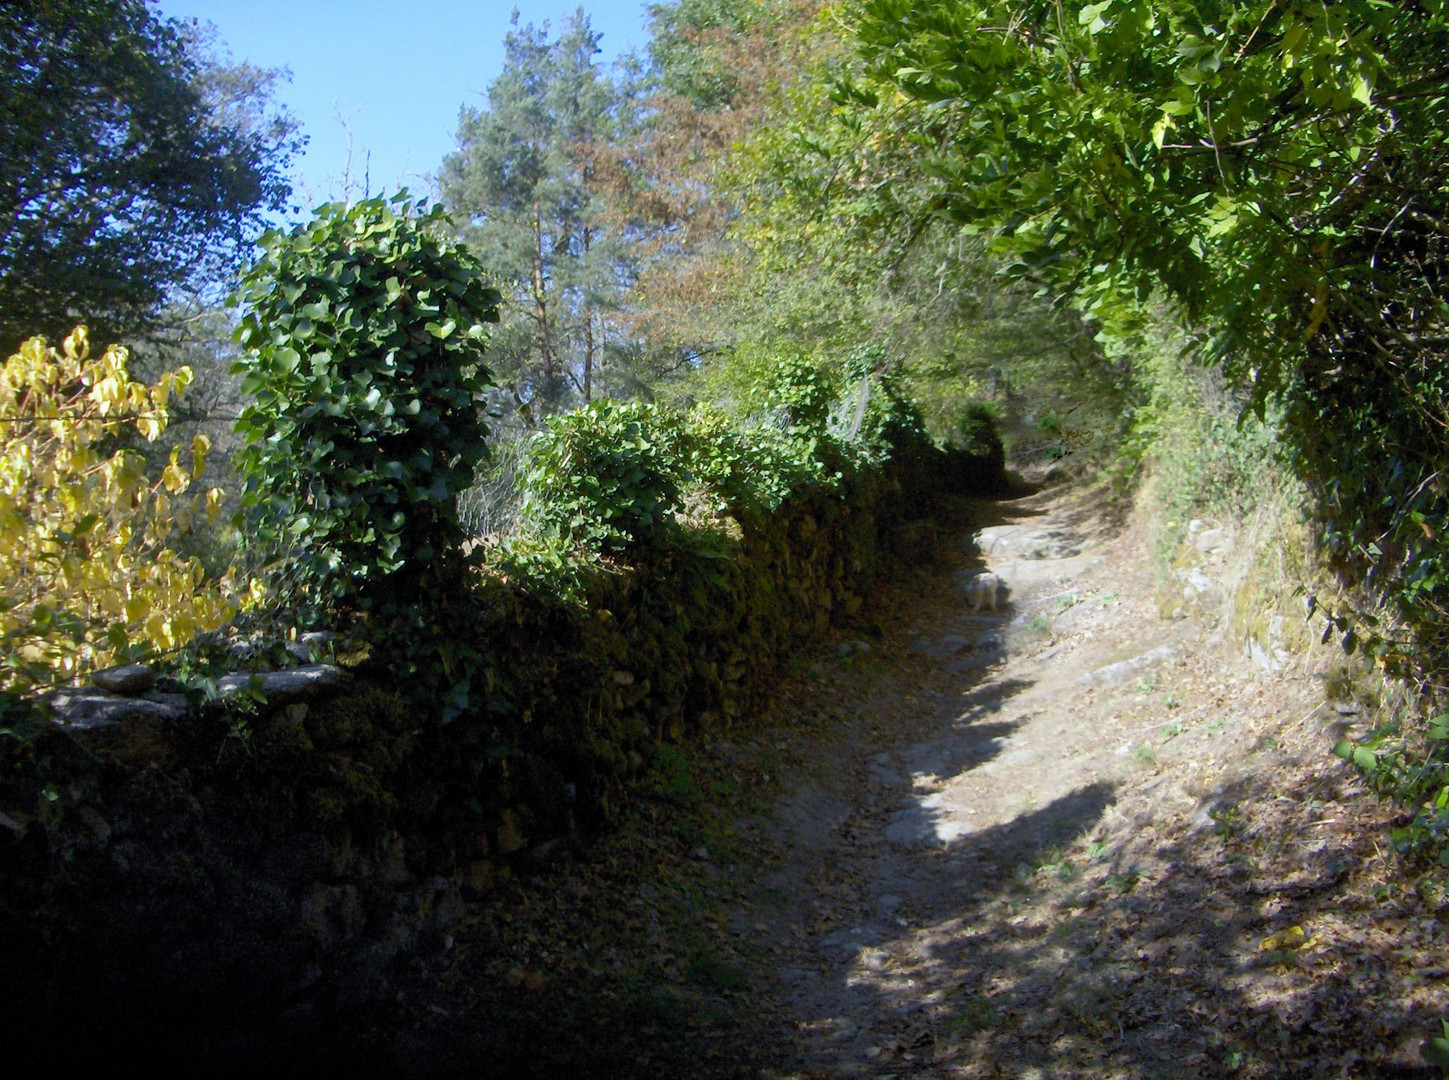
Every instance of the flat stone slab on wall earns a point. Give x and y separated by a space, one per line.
84 709
100 706
287 686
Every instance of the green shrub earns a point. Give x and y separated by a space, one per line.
1211 457
744 473
879 416
620 477
976 434
365 332
607 476
1407 759
803 392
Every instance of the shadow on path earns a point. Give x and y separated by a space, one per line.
1020 962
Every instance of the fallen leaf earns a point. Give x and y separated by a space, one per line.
1293 938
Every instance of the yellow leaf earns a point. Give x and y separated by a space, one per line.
174 478
200 447
116 566
256 593
78 343
158 630
108 395
1293 938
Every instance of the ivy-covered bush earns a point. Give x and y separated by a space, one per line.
743 473
619 477
607 476
365 332
804 392
88 570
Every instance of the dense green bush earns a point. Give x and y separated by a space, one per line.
622 477
607 476
743 472
803 392
1210 457
364 332
879 416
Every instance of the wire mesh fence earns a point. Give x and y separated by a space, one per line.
492 507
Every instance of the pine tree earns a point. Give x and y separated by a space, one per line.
533 180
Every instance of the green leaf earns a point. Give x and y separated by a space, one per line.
1435 1049
1361 88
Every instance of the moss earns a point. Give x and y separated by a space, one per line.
1267 606
358 716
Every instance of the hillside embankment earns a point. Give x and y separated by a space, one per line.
1087 836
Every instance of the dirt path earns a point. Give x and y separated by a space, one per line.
1059 846
1054 842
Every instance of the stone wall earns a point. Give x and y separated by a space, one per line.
238 874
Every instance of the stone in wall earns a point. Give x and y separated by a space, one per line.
85 709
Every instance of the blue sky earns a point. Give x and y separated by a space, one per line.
397 71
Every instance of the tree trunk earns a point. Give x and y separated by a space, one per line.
588 319
588 355
540 296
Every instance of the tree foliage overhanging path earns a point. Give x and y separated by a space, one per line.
1275 170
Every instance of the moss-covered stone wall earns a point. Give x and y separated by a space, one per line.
245 874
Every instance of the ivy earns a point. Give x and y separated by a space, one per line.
365 331
607 476
625 477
